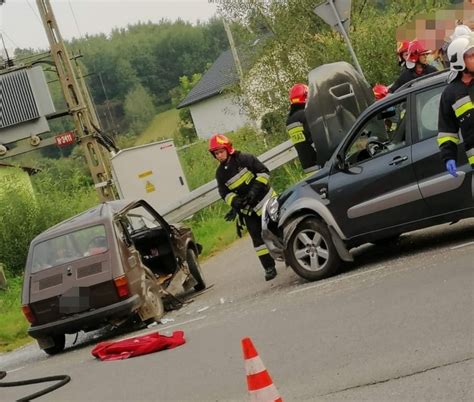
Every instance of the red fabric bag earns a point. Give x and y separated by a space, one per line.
139 345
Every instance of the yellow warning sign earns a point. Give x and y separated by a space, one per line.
149 187
145 174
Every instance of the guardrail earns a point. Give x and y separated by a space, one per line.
208 194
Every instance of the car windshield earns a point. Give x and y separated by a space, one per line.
69 247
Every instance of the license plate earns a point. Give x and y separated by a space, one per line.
74 300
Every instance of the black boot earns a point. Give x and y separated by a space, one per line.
270 273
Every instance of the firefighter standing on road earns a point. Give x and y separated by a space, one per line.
416 65
243 183
298 128
456 107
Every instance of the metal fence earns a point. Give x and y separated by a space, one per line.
207 194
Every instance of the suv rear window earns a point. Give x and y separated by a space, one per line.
69 247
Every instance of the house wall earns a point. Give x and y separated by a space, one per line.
219 114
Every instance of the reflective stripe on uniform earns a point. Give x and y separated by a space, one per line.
259 206
462 105
229 197
470 156
445 137
261 250
244 176
263 178
296 132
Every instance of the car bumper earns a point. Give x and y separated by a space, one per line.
86 319
273 242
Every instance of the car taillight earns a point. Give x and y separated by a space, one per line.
28 313
121 284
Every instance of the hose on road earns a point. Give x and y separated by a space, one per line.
62 380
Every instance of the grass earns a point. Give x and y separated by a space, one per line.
13 325
164 125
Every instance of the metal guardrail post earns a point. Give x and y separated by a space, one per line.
207 194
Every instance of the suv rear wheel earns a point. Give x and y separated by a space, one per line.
59 343
311 252
195 269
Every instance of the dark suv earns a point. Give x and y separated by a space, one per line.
384 178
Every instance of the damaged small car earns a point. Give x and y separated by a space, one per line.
118 260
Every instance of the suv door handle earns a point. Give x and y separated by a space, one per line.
398 159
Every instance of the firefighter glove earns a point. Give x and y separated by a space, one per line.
238 203
256 193
231 215
451 167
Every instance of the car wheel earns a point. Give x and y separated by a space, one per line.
311 252
154 308
59 343
195 269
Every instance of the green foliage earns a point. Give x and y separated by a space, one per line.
139 108
62 189
301 41
13 325
163 126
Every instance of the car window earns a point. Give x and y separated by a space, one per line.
427 109
69 247
382 133
139 219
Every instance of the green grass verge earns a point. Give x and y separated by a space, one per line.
13 325
164 125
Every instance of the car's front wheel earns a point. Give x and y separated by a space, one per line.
195 269
311 252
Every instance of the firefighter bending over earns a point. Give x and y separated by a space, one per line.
298 128
243 183
456 107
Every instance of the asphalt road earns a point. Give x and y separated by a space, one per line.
398 324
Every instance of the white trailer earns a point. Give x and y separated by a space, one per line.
151 172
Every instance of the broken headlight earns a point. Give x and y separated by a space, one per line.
273 209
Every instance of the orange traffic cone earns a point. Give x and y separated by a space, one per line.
259 382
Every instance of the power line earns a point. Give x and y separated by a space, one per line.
10 39
34 12
75 19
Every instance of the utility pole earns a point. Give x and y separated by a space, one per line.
79 105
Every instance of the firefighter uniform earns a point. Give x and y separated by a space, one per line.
243 174
300 135
456 116
409 74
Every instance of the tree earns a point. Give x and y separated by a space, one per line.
139 108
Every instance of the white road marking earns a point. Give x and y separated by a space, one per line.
17 369
335 280
162 329
462 245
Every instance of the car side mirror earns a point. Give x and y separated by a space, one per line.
341 163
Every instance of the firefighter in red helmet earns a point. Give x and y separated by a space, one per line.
298 128
416 65
243 183
402 52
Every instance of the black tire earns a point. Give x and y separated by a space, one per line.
154 303
311 252
195 269
58 347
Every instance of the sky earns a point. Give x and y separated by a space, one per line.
21 26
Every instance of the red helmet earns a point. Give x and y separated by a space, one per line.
380 91
415 50
220 141
298 93
402 47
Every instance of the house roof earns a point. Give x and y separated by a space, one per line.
220 75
